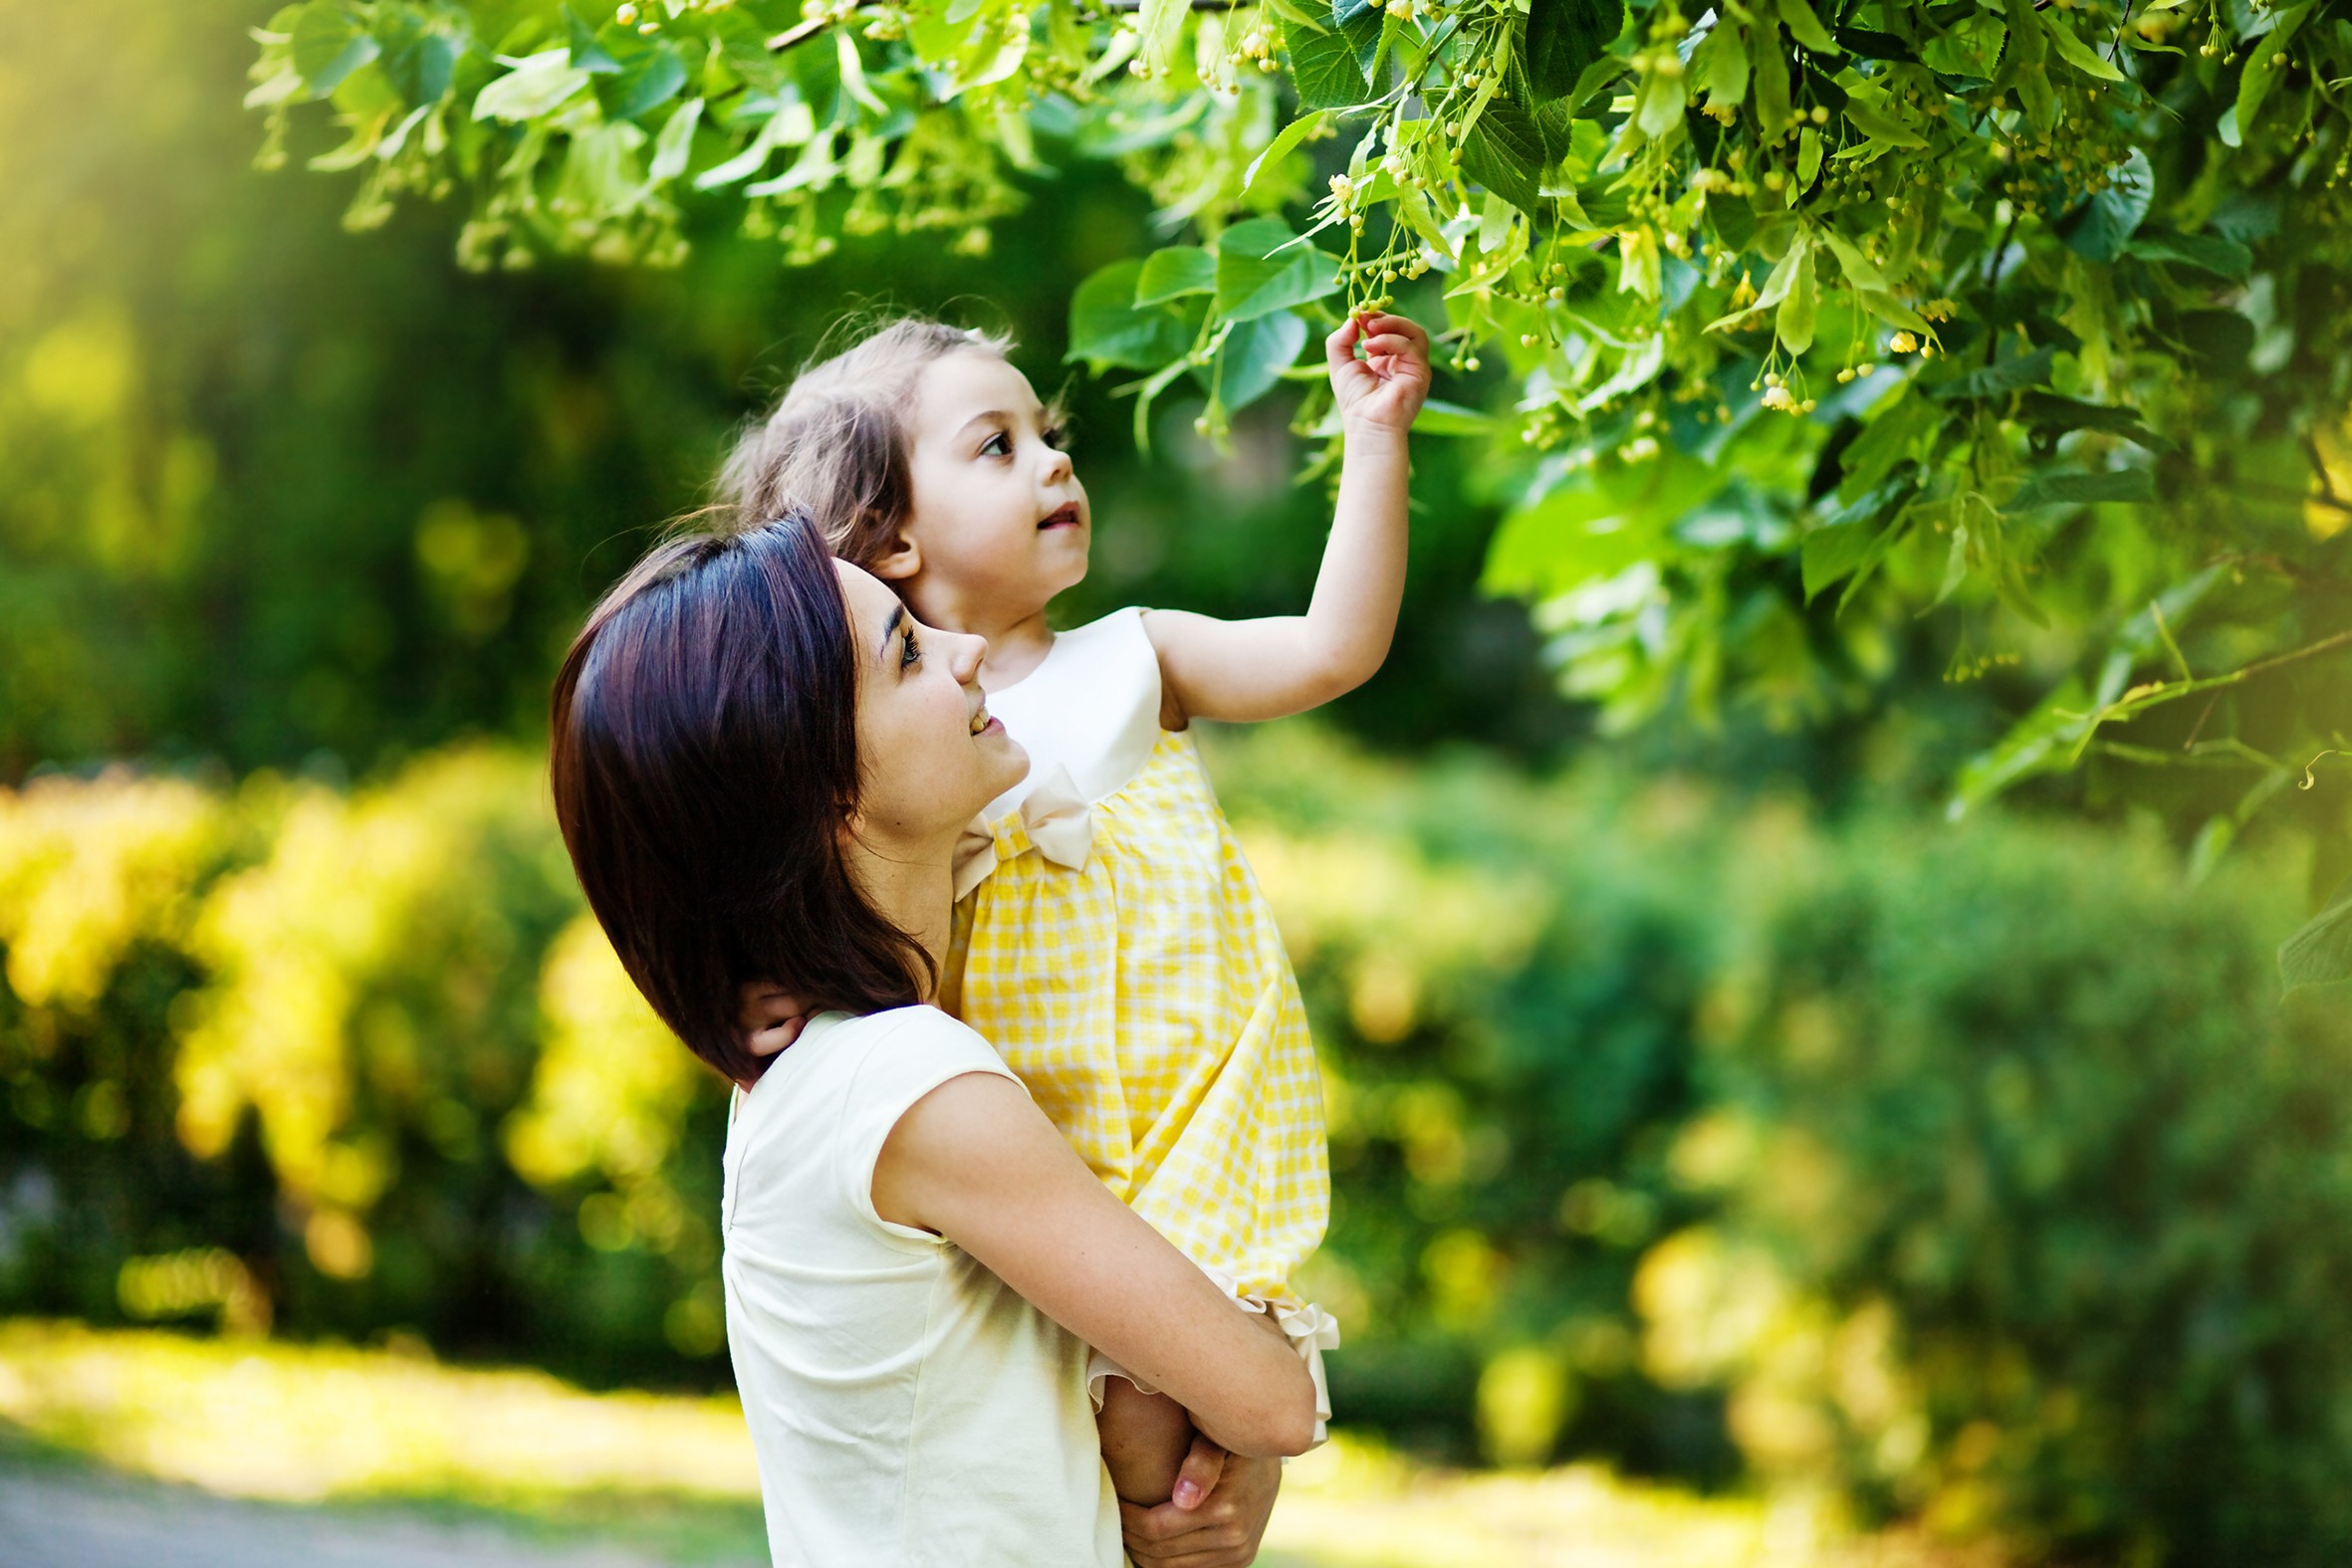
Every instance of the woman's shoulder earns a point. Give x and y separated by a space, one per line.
872 1056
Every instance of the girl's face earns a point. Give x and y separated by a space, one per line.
928 754
1000 523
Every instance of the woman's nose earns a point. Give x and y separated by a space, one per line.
971 653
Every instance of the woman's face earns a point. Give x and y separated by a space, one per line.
928 754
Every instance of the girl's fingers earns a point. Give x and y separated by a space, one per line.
1398 325
1387 343
1339 347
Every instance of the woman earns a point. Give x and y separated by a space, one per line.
762 765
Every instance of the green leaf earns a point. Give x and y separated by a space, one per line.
1440 419
675 146
1324 66
1504 153
1254 356
1891 436
2022 66
1281 147
329 45
1995 380
1596 524
2110 218
587 53
2253 83
1107 328
1719 67
1252 281
2078 53
2074 490
2223 257
1175 271
417 60
2035 744
534 88
1832 551
2060 414
648 75
1876 46
1566 38
1805 27
1161 23
1850 260
2320 953
1795 326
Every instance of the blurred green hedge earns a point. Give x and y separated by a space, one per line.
1973 1172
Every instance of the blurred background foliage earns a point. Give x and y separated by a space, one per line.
1700 1100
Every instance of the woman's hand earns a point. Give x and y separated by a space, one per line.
1384 389
1230 1502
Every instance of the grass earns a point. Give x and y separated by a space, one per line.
371 1432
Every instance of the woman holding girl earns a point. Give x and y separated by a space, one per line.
762 765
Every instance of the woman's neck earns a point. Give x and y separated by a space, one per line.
910 885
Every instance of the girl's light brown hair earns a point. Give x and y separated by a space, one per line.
835 449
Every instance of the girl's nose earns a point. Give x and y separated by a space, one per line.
1058 466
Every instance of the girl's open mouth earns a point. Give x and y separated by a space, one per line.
1063 516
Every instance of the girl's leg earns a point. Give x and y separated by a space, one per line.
1144 1439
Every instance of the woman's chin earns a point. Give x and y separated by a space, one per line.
1007 762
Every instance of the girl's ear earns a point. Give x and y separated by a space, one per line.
899 560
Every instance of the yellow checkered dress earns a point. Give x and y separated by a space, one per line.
1146 1001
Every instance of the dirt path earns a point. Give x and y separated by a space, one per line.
61 1517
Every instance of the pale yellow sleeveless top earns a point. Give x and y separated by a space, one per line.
1135 980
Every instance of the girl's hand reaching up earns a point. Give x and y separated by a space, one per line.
1384 389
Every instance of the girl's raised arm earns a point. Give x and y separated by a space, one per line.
1286 664
976 1162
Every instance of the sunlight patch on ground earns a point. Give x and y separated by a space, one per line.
306 1423
252 1419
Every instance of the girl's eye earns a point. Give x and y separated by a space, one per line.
998 445
1056 436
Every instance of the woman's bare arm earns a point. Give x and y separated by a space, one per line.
976 1162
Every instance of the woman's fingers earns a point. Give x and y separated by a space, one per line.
1197 1476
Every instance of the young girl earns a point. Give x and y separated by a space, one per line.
1111 941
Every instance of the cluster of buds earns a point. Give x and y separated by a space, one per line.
1939 309
1855 372
1902 343
1258 45
1402 10
1778 398
827 10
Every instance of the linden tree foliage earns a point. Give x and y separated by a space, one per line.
1790 320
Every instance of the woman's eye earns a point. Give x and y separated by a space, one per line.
909 655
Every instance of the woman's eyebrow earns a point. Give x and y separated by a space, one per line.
890 630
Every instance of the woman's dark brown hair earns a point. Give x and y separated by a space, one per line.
704 758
